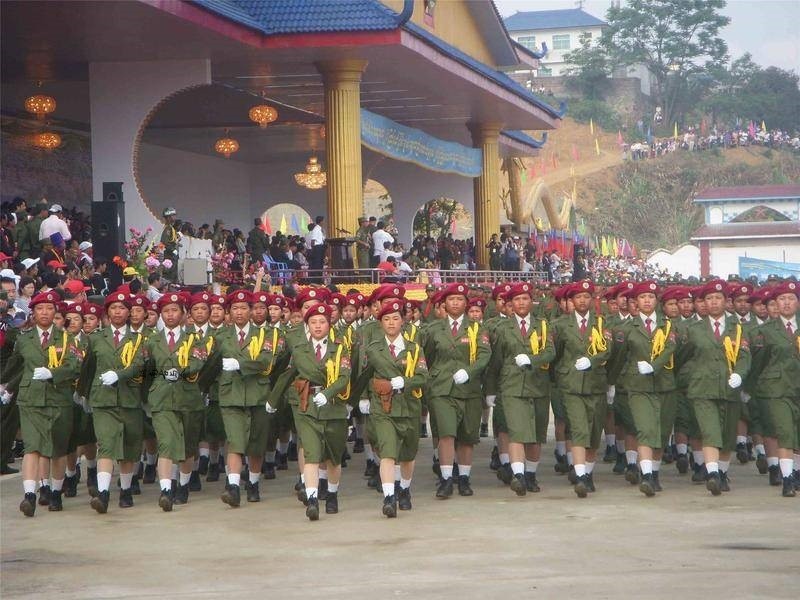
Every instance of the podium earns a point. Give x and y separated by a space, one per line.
340 255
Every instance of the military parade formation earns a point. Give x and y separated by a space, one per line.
638 374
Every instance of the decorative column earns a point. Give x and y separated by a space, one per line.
487 188
342 81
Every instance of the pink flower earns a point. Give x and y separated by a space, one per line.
167 263
151 261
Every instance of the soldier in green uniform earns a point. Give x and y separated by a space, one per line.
110 378
318 394
583 346
643 359
44 365
363 238
719 354
395 371
776 372
522 348
428 312
174 360
35 246
169 237
213 427
500 461
457 350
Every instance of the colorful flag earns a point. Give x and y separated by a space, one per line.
620 141
675 131
597 146
303 228
703 127
295 224
523 175
284 226
572 171
763 126
574 191
751 128
267 225
649 135
591 126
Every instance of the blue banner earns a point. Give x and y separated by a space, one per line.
764 268
412 145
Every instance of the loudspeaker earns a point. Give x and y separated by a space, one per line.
108 222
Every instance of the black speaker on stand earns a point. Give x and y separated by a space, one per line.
108 228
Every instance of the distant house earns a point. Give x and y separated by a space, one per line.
748 222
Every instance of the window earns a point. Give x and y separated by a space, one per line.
529 41
545 72
561 42
588 34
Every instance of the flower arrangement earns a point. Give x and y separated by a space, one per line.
144 257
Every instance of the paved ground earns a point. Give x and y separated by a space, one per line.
615 544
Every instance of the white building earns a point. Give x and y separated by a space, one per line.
748 222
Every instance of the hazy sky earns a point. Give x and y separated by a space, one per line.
768 29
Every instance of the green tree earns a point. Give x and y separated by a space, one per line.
590 69
677 40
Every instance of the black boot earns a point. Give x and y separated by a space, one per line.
100 502
741 453
213 472
253 493
530 482
181 494
28 505
332 503
423 430
369 468
374 482
436 467
390 506
126 498
484 430
281 461
518 484
291 452
632 473
713 483
505 474
91 481
619 465
445 489
774 475
590 482
194 482
70 487
724 482
668 456
322 492
55 501
165 500
788 487
232 495
44 495
404 499
202 465
699 473
657 482
464 488
268 470
312 509
647 486
682 463
611 454
494 462
572 476
761 464
582 486
136 490
149 474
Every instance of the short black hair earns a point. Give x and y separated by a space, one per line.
319 219
51 279
153 278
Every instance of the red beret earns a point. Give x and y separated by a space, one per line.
139 300
644 287
518 289
611 292
317 309
387 291
454 289
94 309
395 306
579 287
45 298
413 304
625 289
761 295
61 307
676 292
696 290
75 307
118 297
500 289
713 286
276 300
261 297
217 299
787 287
239 296
479 302
171 298
153 306
356 300
200 298
737 289
311 293
337 300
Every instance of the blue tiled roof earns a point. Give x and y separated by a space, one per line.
551 19
305 16
524 138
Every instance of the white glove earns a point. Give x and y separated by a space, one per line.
270 409
490 401
109 378
460 376
522 360
745 397
41 374
363 407
611 394
320 400
397 383
583 363
206 399
5 397
171 375
230 364
645 368
734 381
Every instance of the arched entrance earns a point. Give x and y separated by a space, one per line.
378 203
287 218
442 217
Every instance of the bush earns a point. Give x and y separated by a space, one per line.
602 114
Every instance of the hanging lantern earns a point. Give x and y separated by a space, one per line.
314 177
40 105
47 140
263 114
226 146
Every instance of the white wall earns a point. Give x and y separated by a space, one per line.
725 255
555 58
685 260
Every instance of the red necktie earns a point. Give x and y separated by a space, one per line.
45 337
583 326
454 329
648 324
319 351
116 338
717 332
171 341
789 328
241 339
391 351
523 328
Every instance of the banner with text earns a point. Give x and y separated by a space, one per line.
748 267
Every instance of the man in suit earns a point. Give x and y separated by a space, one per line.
719 354
522 348
583 346
457 350
45 363
174 360
111 376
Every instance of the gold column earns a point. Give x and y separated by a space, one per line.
487 188
342 81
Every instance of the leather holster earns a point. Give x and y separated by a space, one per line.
383 387
303 388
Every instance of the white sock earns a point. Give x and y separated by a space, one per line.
184 478
772 461
29 485
447 471
611 439
698 457
531 466
656 466
435 454
311 493
787 465
91 464
71 473
254 475
589 468
388 489
518 468
405 483
323 474
125 480
741 439
505 459
561 448
683 448
620 446
580 470
333 487
57 484
724 465
283 447
569 459
369 453
464 470
269 456
646 466
234 478
631 456
227 470
712 467
44 483
166 484
205 452
150 458
303 478
397 472
103 481
760 449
